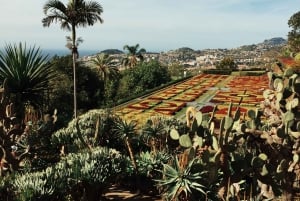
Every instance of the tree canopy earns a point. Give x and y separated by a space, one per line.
294 34
227 63
134 55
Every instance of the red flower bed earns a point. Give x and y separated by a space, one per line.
207 109
169 106
287 61
222 110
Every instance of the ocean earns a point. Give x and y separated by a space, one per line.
62 52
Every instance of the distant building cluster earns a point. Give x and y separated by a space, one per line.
249 56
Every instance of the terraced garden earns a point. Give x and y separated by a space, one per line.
203 92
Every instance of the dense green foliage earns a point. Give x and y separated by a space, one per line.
84 175
227 63
94 92
143 77
176 70
294 34
90 88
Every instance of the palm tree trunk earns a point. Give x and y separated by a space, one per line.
131 154
74 56
138 180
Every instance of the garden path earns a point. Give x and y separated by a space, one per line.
117 193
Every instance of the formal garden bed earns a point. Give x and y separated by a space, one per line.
241 149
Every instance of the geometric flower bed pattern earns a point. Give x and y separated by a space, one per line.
243 90
246 90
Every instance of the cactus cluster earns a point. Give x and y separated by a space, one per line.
256 155
13 134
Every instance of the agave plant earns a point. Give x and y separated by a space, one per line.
149 163
182 183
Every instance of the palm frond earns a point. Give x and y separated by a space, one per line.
124 129
103 62
54 5
54 11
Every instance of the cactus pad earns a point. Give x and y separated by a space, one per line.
185 141
174 134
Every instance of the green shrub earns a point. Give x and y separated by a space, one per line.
89 169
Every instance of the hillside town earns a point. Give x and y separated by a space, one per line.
259 55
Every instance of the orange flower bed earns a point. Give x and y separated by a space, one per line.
162 96
145 104
195 91
185 97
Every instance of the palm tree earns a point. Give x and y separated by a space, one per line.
27 73
104 64
134 55
154 134
126 131
75 14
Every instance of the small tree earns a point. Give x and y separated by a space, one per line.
134 54
227 63
294 34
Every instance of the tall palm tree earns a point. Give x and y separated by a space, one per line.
105 67
134 55
74 14
27 73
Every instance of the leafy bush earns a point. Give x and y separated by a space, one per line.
88 169
89 130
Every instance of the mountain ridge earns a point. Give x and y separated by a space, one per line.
275 41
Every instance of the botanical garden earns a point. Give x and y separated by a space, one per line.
71 130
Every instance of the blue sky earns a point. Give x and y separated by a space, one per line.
157 25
